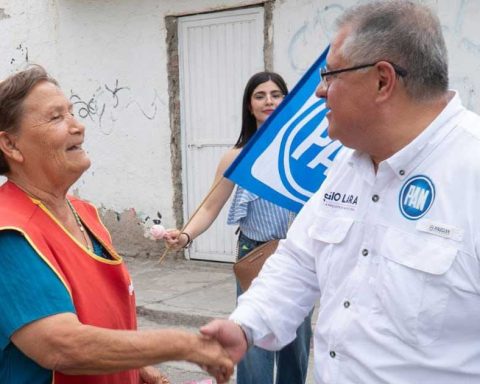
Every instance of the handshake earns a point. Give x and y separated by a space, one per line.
223 344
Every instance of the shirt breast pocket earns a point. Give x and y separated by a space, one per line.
327 234
414 284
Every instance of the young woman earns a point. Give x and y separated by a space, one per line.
259 221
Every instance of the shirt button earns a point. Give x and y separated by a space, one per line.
332 354
346 304
365 252
401 172
375 198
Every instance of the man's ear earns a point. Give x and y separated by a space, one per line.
9 148
387 79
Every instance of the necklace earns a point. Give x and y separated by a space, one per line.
80 226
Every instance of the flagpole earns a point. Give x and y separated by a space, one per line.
217 183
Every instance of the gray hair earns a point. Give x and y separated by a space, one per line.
405 33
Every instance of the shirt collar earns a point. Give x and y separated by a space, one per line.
405 160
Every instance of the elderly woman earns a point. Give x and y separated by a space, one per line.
67 313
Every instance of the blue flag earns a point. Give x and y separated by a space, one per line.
286 160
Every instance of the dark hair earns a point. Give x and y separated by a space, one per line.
407 33
13 92
249 124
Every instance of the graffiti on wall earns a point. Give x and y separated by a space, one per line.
155 219
109 101
3 14
317 27
460 28
20 56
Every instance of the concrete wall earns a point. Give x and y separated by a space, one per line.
110 57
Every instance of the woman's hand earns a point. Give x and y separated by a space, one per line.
151 375
210 355
175 239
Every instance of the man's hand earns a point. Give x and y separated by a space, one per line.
229 335
210 356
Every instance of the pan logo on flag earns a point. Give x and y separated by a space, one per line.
287 159
301 150
307 152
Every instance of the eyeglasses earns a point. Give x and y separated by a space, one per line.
326 76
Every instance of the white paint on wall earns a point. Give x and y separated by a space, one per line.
110 57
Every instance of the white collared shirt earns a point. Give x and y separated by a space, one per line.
393 257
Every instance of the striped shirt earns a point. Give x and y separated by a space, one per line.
257 218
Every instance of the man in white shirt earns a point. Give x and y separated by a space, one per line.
390 243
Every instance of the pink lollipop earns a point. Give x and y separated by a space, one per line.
157 231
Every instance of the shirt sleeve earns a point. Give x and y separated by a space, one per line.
29 287
288 285
286 289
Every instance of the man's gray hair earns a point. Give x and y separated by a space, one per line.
405 33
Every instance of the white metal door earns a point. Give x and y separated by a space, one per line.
218 52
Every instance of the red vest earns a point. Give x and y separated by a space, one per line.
101 289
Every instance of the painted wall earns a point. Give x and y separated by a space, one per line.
110 57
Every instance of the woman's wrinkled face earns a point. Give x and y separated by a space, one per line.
265 99
49 137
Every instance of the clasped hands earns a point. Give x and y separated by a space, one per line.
232 339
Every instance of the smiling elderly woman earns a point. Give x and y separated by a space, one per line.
67 313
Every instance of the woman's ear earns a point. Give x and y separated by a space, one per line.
9 148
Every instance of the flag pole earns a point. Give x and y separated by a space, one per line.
217 183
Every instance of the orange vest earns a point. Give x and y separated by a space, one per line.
101 289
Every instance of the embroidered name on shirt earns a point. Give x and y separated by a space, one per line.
340 200
439 229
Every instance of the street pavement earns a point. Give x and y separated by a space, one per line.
185 294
